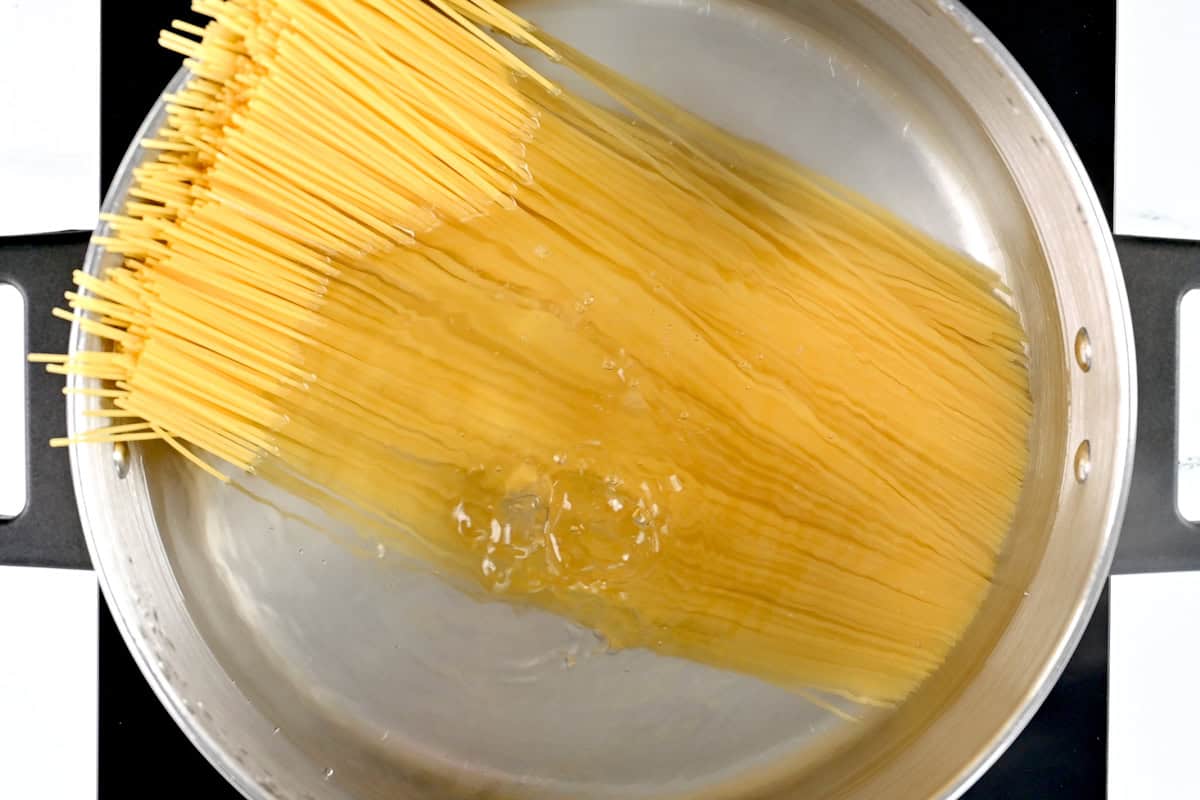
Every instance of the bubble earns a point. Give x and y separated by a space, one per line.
460 517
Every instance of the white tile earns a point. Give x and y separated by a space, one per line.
1158 119
49 115
1188 486
13 436
48 683
1153 707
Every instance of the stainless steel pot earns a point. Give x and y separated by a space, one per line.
303 668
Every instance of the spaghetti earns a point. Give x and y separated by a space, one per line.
624 366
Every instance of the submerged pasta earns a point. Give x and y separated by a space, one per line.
621 365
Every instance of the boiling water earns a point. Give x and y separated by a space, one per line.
385 665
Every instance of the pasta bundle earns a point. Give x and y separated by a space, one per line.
619 364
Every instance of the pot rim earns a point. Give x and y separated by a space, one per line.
239 773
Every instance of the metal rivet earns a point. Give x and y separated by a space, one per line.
120 457
1083 461
1083 349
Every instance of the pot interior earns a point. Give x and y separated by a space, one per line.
307 661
